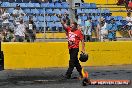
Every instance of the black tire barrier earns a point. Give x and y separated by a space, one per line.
1 60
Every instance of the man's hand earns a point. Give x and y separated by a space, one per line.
64 24
62 21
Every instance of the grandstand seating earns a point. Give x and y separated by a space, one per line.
10 10
26 18
35 18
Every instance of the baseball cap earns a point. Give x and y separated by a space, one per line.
17 5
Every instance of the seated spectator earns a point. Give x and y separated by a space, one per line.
95 27
129 24
112 27
20 31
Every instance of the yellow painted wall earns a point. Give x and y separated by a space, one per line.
55 54
34 55
63 35
51 35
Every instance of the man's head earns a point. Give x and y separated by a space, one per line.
74 26
18 7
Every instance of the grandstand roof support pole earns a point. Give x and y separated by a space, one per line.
44 25
72 12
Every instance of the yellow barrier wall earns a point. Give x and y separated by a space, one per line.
42 55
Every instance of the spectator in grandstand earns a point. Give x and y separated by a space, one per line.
31 30
102 28
78 20
8 36
88 30
129 24
5 17
95 27
20 31
74 37
112 27
18 13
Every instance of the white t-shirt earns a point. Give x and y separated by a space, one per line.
79 21
19 15
103 30
129 19
30 26
5 17
20 30
88 31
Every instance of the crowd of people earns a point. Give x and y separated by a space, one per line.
104 30
18 30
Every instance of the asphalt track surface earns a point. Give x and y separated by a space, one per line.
52 77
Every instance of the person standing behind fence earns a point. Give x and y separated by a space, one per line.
103 32
17 13
129 24
88 30
20 32
5 16
112 27
31 30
